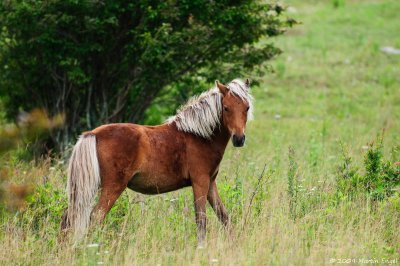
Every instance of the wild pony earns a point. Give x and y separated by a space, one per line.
184 151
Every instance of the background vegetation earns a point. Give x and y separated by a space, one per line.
317 182
105 61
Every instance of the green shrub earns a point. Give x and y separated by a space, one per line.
45 207
347 178
382 176
380 180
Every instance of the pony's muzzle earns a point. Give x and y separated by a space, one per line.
238 141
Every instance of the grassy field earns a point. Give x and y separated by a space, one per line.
333 92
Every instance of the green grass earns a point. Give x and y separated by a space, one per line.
332 87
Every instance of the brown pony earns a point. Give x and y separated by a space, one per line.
184 151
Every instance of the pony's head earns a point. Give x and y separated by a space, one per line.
227 105
236 108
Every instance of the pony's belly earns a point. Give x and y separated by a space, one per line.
156 185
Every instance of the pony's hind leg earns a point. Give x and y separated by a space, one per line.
64 220
65 225
112 185
108 195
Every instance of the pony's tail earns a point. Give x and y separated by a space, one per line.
83 183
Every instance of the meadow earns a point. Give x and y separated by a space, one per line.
309 187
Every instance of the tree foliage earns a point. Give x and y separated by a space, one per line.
100 61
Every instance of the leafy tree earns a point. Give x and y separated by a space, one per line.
100 61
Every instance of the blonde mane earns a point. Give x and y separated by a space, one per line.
202 113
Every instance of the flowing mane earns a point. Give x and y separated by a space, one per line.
202 113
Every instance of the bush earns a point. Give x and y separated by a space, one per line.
105 61
45 206
348 178
382 177
380 180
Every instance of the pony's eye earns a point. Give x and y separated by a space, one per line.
247 109
226 109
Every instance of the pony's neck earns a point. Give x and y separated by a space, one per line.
221 137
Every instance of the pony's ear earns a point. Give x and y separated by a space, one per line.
222 88
247 82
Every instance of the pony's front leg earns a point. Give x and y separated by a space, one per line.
200 190
217 205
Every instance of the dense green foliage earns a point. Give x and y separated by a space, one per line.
380 178
106 61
